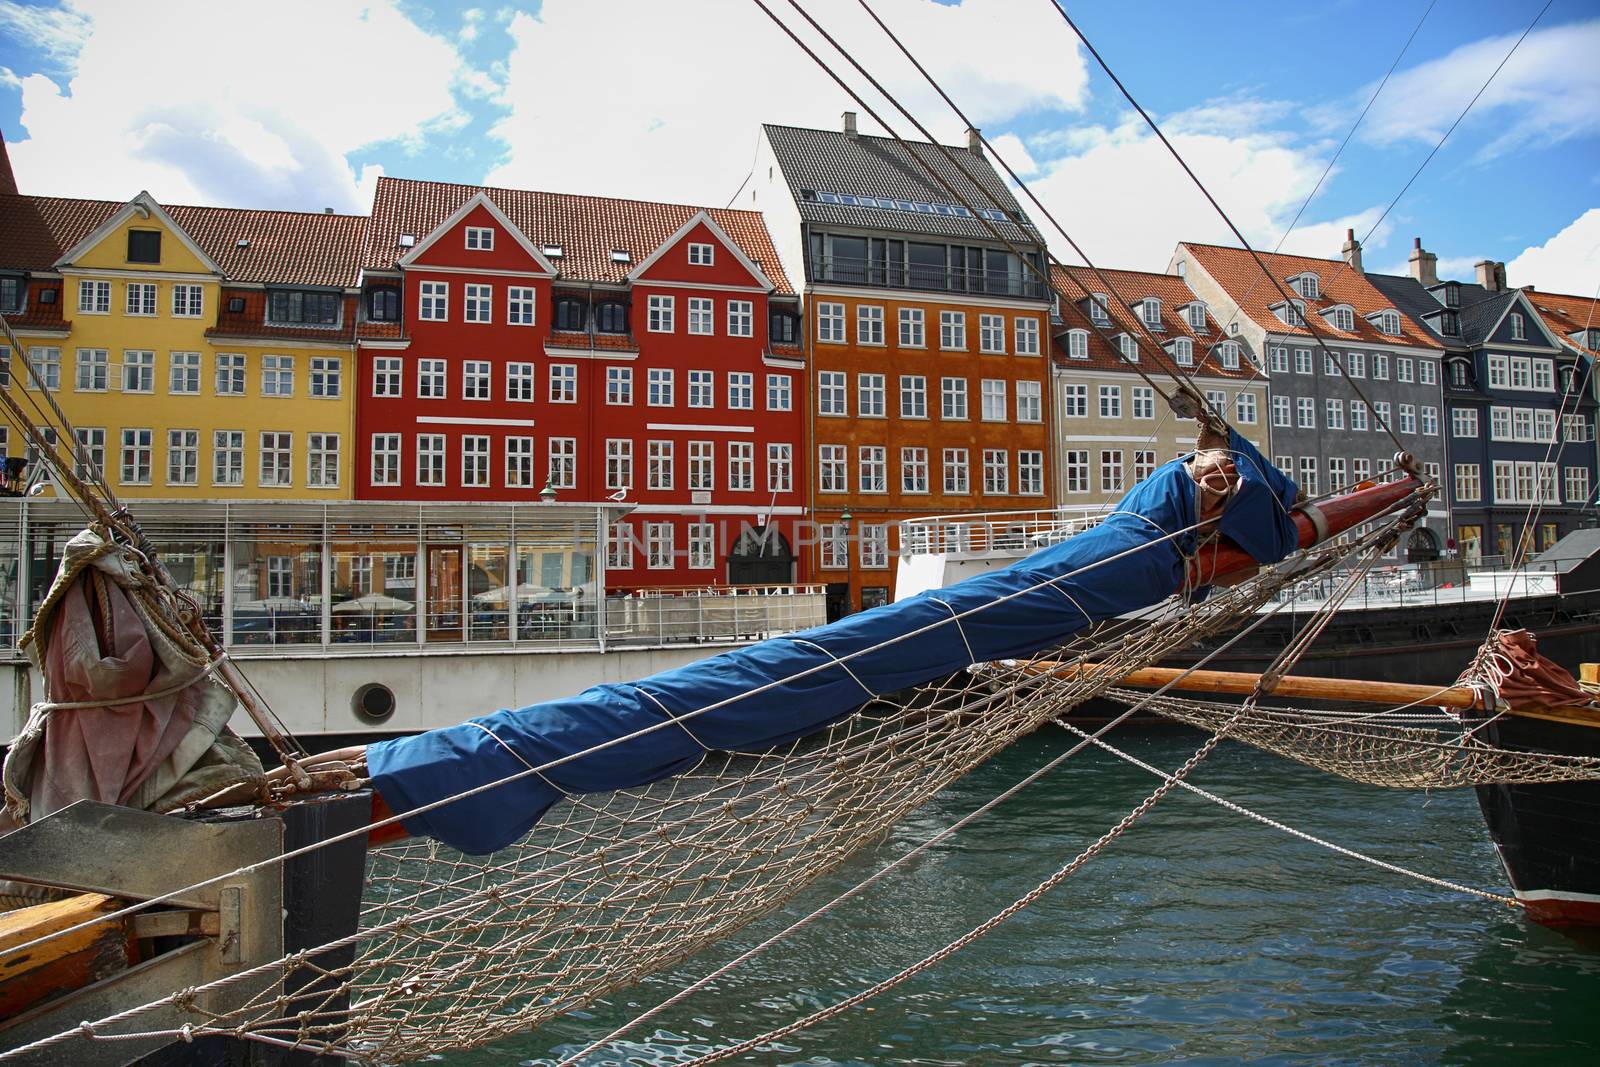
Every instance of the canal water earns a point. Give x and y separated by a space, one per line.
1198 937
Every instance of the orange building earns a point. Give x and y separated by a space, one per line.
927 339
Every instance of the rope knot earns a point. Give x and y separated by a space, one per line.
183 999
87 1029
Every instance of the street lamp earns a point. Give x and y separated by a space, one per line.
547 495
845 520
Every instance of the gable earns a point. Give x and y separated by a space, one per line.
447 246
1534 332
109 246
729 265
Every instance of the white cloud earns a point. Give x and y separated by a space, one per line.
1549 92
58 32
233 123
670 107
1567 263
1009 147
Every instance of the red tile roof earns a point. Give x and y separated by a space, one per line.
1566 315
610 342
285 247
586 227
1129 287
1236 271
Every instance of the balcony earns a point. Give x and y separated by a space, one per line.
843 270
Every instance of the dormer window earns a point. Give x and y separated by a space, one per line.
303 307
1308 285
611 316
1459 375
702 255
1078 344
1129 347
11 290
1569 379
1195 313
1450 323
553 251
1055 306
1342 317
383 303
144 246
783 326
1228 355
571 311
621 255
1183 352
1098 303
1387 322
1150 311
480 239
1518 331
1452 294
1290 313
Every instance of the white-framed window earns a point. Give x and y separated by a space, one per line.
869 324
619 463
1111 401
872 469
619 385
230 374
327 377
137 449
188 301
1544 426
913 328
519 463
992 334
780 392
1334 415
1111 470
477 379
1577 428
183 457
1078 344
1074 400
1194 313
91 451
431 379
780 467
1217 401
701 255
430 458
1518 331
1380 409
741 318
874 546
1388 323
1355 364
563 383
94 298
433 301
322 460
1336 474
1404 370
1245 406
1330 365
831 474
871 390
1427 372
1144 463
1360 471
1302 361
1128 347
1577 484
385 459
563 462
741 466
996 472
480 238
1278 359
1430 421
658 545
1026 334
1544 375
953 398
1291 313
659 464
1308 286
914 470
1342 319
521 302
956 470
1183 351
138 370
1280 411
1522 424
1305 412
659 387
1075 470
1030 472
913 396
478 303
619 547
702 541
1505 482
277 458
741 390
835 547
1463 422
183 373
830 323
227 457
1498 377
1499 424
1143 404
992 394
1099 305
953 331
277 376
702 465
1228 354
1358 415
1308 475
1030 402
702 316
702 389
660 314
388 376
141 299
831 399
519 382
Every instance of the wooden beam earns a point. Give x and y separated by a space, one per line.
64 963
1390 693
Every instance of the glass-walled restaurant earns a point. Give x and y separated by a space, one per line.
346 575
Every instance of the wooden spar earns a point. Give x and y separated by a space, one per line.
1391 693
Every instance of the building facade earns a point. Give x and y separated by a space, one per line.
1327 413
1111 427
926 336
519 345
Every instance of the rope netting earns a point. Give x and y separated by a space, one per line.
456 951
1398 748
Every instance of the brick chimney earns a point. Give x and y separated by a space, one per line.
1423 265
850 125
8 181
1352 251
975 141
1491 274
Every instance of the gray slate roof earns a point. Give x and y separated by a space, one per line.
1410 298
1480 309
828 161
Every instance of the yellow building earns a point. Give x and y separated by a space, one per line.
199 353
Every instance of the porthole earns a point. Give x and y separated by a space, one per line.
373 702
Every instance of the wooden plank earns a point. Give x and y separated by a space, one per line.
1391 693
64 963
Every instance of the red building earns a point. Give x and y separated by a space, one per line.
514 343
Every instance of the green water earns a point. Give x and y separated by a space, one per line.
1198 937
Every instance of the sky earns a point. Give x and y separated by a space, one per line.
302 104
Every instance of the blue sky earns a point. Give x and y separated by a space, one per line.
216 102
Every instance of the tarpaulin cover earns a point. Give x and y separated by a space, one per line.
754 698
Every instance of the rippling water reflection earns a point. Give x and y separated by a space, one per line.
1199 936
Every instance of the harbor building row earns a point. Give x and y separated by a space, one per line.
758 394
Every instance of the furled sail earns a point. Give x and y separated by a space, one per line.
753 698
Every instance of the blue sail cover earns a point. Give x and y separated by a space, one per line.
787 687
